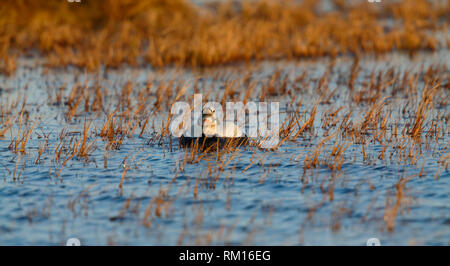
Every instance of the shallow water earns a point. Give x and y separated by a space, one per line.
273 202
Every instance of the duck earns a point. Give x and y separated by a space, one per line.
211 128
212 138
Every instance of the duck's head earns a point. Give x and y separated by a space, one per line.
209 115
209 112
209 120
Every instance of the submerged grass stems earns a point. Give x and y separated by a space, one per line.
348 116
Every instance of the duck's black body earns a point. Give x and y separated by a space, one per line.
212 143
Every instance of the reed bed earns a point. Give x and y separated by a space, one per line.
397 111
338 118
176 32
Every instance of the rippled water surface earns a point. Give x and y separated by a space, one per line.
249 196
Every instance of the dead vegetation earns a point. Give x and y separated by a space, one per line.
176 32
342 118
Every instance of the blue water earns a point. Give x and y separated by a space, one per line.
274 202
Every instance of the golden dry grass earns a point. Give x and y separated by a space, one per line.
368 127
399 122
166 32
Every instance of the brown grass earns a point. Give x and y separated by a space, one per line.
166 32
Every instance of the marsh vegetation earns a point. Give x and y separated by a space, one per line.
86 151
